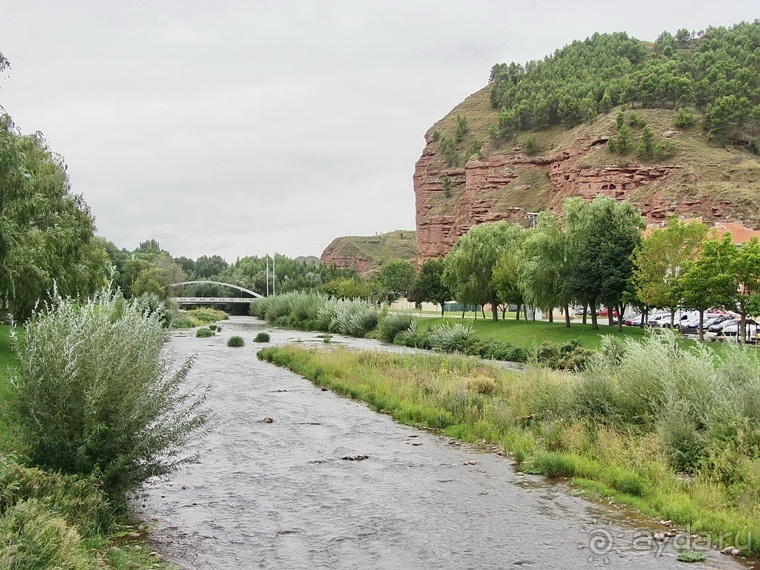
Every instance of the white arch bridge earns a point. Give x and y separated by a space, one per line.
215 300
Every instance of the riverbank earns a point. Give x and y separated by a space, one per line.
297 477
546 420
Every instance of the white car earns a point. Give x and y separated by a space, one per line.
719 327
691 326
751 327
660 320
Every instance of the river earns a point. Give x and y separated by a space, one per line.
294 492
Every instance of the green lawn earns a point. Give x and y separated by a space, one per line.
533 333
7 362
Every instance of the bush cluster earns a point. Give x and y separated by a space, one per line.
459 338
568 356
706 411
261 337
393 324
497 350
356 317
236 342
196 317
204 333
317 311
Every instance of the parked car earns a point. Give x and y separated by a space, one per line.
660 319
718 327
733 329
633 321
692 325
682 317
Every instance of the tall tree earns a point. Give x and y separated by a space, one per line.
396 278
207 267
602 236
45 229
429 285
658 262
506 272
708 280
745 267
544 275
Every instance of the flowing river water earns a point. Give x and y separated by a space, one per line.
292 493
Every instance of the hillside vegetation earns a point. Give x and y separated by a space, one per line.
365 254
716 72
689 102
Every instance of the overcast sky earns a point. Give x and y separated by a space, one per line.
253 127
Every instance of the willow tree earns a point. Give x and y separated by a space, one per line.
46 231
470 264
544 274
506 273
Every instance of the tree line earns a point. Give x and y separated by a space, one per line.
596 254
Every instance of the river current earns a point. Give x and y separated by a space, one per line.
296 477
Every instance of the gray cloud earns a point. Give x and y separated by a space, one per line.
242 128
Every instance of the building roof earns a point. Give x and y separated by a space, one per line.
739 233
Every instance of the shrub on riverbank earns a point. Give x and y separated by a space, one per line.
49 520
235 342
97 396
196 318
357 317
295 309
317 311
353 317
392 324
204 333
672 431
452 338
261 337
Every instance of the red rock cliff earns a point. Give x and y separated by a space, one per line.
507 184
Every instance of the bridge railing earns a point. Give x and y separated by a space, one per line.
213 300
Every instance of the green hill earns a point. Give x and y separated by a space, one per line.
365 254
673 126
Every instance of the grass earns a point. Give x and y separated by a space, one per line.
8 363
533 333
534 416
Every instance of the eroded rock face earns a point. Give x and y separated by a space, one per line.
491 189
365 254
346 255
